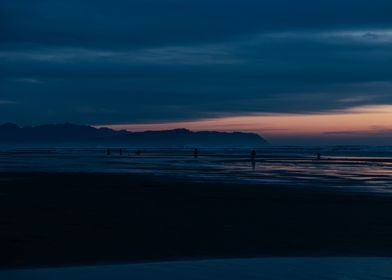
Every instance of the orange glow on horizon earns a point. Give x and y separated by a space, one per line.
366 119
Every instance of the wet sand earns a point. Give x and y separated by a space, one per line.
59 219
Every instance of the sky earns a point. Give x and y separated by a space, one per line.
294 71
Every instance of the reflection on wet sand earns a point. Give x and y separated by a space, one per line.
348 167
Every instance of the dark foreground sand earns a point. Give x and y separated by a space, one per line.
73 219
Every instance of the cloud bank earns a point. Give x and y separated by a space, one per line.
150 61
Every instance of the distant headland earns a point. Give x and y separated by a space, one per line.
74 134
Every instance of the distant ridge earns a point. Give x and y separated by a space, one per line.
73 134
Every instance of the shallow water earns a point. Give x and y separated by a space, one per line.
242 269
354 168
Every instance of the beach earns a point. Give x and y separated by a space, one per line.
89 218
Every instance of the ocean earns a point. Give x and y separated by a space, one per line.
241 269
347 168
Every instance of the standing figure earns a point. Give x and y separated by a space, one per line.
318 155
253 158
196 153
108 152
253 154
121 152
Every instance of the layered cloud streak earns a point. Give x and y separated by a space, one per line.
149 61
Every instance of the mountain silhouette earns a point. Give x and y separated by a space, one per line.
73 134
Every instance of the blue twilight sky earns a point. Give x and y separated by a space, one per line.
158 61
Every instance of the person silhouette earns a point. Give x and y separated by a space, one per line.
318 155
121 152
253 154
196 153
253 158
108 152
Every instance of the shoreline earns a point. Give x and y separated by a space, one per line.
63 219
294 268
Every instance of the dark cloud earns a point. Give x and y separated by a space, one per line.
135 61
124 23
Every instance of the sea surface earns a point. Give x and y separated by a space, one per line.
241 269
353 168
